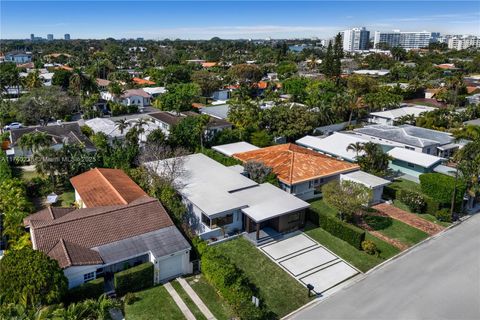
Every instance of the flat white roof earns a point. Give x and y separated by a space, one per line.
335 144
215 189
155 90
419 158
236 147
367 179
414 110
266 201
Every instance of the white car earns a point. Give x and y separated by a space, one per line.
13 125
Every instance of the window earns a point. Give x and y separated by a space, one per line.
409 148
294 217
88 276
222 221
411 165
205 220
428 150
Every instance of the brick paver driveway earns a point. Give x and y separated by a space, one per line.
409 218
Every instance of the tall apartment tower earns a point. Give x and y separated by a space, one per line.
32 36
406 40
49 36
67 36
355 39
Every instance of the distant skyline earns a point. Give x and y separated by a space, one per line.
231 19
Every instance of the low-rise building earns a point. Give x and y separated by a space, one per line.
300 171
18 57
412 163
137 97
374 183
221 201
390 117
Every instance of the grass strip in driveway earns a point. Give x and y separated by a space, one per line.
153 304
188 301
208 294
281 292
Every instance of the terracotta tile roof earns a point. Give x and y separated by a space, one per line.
106 187
142 81
197 105
70 238
262 85
209 64
102 82
47 214
472 89
294 164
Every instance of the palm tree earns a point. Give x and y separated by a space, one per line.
34 141
32 80
470 132
74 311
122 124
356 147
115 89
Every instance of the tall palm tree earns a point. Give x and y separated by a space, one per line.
470 132
34 141
32 80
122 124
356 147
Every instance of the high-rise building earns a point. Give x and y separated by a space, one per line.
32 36
465 42
67 36
406 40
49 36
355 39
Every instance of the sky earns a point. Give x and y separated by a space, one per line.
231 19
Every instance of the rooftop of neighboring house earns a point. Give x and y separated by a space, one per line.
414 110
69 133
76 237
102 82
135 92
216 189
407 134
141 81
172 118
419 158
106 187
474 122
155 90
366 179
335 144
237 147
294 164
218 111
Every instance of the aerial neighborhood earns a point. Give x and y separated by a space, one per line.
237 179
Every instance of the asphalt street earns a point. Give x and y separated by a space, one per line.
440 279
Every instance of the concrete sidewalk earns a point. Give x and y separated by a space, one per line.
196 299
183 307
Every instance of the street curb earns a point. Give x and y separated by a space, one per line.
377 267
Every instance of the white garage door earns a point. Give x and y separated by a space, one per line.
171 267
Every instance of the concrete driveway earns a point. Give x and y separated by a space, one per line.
309 262
439 279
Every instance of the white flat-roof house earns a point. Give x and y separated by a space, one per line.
389 117
413 163
374 183
112 131
418 139
221 201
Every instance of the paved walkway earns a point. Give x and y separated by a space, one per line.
183 307
196 299
409 218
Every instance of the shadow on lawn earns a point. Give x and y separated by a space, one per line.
378 222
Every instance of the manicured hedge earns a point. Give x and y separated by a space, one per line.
90 290
134 279
389 193
232 284
414 200
440 187
431 206
348 233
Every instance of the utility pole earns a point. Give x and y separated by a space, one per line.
454 193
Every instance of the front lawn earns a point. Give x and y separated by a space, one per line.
209 296
188 301
321 206
400 205
66 199
154 303
395 229
281 292
405 184
360 259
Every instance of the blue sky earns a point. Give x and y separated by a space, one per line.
231 19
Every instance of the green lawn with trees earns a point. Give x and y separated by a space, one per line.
209 296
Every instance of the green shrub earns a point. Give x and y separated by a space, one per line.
134 279
440 187
369 247
444 215
431 206
130 298
232 284
90 290
412 199
338 228
226 161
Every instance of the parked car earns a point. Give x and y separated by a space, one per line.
13 125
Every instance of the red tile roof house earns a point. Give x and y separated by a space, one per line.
124 226
299 170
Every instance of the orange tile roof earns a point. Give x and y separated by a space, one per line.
294 164
209 64
472 89
106 187
142 81
197 105
262 85
446 66
64 68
